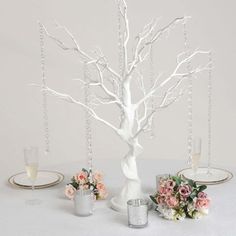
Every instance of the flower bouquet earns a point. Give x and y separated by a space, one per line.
177 198
86 180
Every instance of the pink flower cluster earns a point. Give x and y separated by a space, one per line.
177 198
166 194
82 181
202 201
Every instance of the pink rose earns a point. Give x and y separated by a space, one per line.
85 187
183 199
97 176
185 190
172 202
160 199
102 194
165 191
162 182
202 195
162 190
70 191
101 187
81 178
202 203
170 183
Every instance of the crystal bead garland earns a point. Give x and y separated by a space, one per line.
189 99
44 93
88 130
209 111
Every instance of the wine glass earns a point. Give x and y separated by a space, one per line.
196 154
31 166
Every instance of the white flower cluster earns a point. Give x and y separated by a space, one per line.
170 214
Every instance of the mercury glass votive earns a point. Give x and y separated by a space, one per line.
84 201
137 213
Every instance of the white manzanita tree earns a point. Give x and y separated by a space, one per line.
137 116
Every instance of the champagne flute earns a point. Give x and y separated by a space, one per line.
196 154
31 166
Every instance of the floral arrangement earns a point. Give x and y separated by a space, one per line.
177 198
86 180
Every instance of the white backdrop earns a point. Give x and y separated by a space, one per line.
94 23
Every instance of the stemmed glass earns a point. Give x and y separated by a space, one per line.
31 166
196 154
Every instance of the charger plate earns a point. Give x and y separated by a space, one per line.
216 175
45 179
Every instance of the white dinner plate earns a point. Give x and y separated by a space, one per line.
44 179
216 176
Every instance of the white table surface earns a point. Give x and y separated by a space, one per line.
55 215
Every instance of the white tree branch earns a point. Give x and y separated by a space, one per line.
123 12
105 101
86 59
145 124
84 56
70 99
147 32
141 46
174 74
139 120
112 95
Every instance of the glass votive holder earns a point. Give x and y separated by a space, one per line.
159 178
84 202
137 213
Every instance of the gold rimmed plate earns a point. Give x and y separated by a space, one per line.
45 179
215 175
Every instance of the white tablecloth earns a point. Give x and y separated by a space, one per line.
55 215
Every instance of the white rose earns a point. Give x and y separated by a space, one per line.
167 213
197 215
204 211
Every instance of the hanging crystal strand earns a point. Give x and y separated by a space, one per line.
120 52
151 58
190 99
89 151
209 111
44 93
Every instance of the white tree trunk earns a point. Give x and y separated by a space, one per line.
132 186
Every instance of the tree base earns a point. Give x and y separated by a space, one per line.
122 208
131 190
118 206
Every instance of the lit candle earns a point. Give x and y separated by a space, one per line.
196 154
137 213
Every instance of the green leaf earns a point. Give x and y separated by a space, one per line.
84 170
153 199
202 187
191 182
177 180
75 185
193 195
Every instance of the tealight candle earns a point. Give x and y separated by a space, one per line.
84 202
137 213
